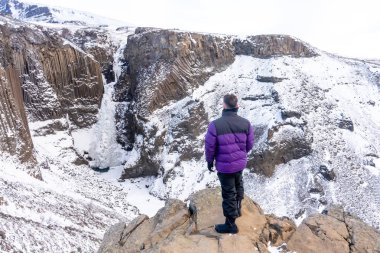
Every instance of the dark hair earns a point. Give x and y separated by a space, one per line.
230 100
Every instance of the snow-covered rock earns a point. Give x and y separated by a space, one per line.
39 13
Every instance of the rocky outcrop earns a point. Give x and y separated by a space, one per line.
14 131
337 231
284 142
178 228
266 46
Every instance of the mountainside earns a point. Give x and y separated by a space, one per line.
54 15
315 117
111 121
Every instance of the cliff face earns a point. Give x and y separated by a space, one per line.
56 79
162 66
266 46
14 132
308 109
166 66
43 78
98 42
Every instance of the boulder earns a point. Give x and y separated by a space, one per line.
337 231
284 143
346 124
327 174
269 79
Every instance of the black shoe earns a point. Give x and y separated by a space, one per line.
239 207
229 227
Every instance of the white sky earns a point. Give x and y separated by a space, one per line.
346 27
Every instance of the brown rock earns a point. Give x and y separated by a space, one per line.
320 233
335 232
177 229
278 230
363 238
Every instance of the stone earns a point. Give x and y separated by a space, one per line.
278 230
269 79
320 233
177 228
337 231
346 124
285 114
2 234
2 201
327 174
363 238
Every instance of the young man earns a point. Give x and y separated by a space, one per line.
228 140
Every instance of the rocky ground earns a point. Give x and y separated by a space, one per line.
188 227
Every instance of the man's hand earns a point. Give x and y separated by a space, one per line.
210 165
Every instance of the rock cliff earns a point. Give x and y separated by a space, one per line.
163 66
43 78
181 228
308 108
166 66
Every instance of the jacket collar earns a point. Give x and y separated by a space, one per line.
230 112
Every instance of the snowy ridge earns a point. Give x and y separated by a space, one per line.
38 13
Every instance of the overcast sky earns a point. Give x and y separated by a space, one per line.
347 27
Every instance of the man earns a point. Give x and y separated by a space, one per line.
228 140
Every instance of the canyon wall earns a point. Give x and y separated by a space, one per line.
165 67
43 78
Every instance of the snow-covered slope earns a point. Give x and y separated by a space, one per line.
324 90
38 13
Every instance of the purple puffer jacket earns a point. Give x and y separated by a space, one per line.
228 140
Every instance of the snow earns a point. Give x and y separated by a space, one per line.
60 15
70 197
100 140
274 249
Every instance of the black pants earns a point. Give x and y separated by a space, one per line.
232 192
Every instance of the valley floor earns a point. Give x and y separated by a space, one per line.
73 206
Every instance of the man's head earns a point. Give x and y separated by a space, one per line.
230 101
